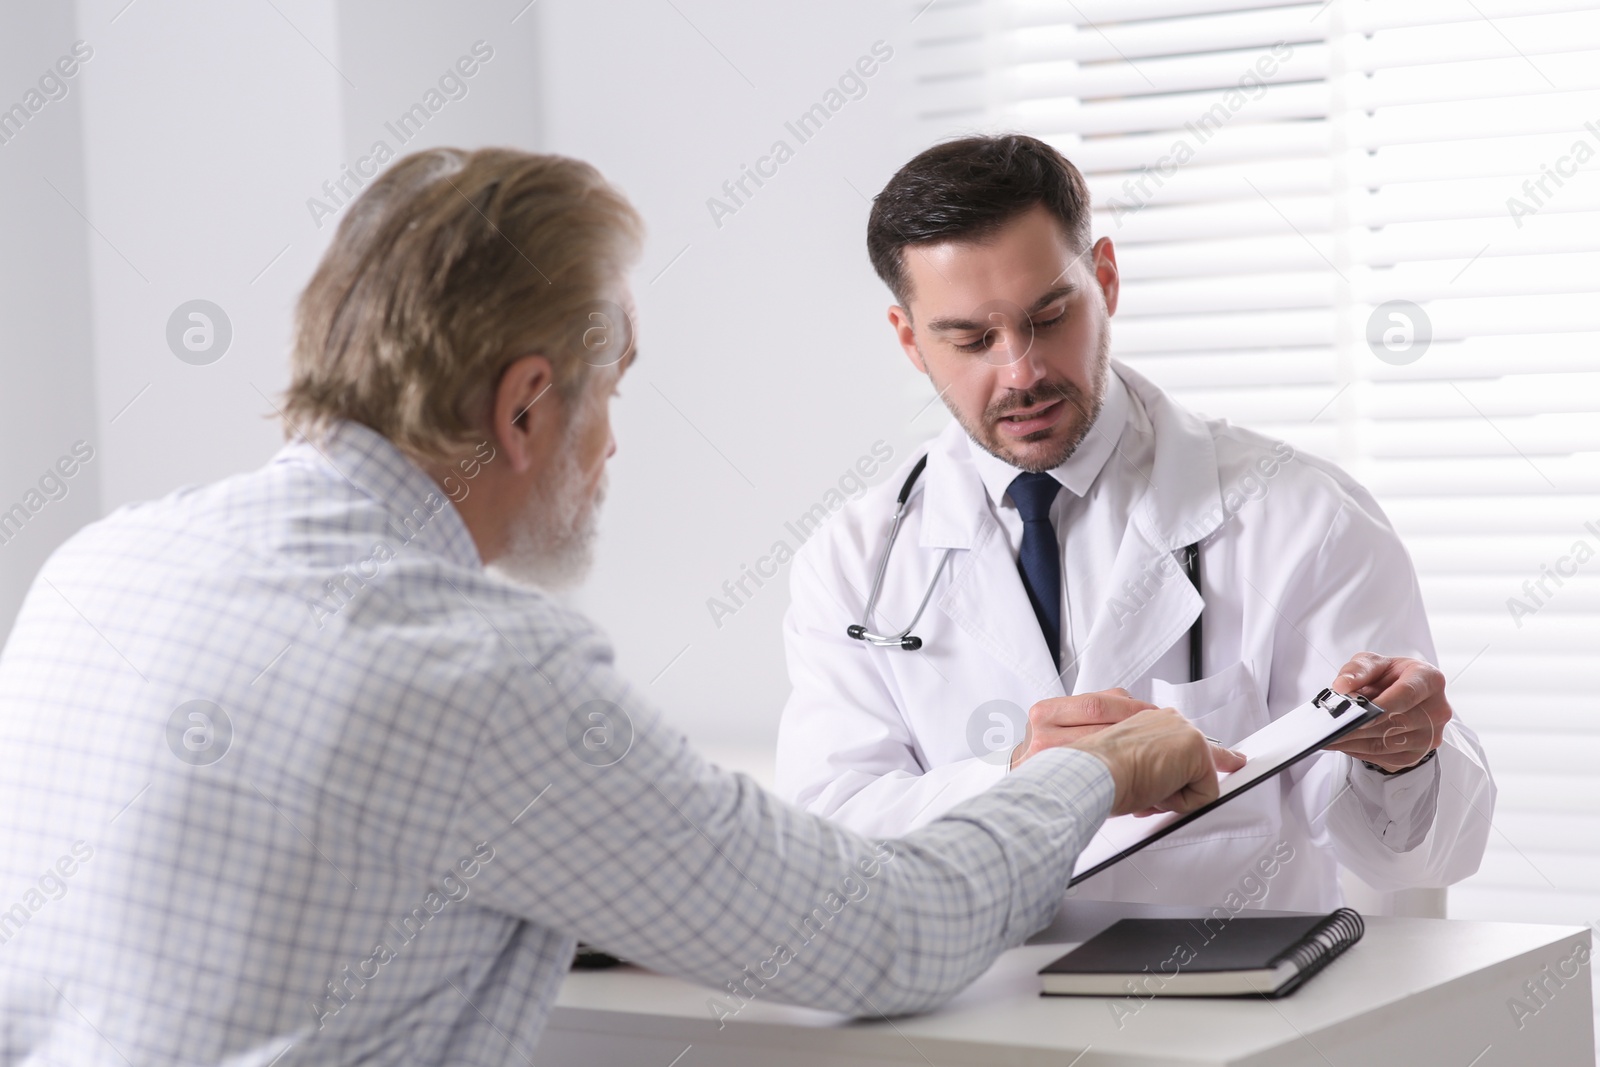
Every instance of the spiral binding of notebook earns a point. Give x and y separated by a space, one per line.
1321 945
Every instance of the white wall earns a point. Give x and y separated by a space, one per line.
395 52
205 127
46 399
767 367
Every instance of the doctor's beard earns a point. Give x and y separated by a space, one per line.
552 541
1081 415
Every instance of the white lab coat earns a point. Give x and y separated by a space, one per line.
1298 576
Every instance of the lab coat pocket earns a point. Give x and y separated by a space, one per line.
1225 706
1228 707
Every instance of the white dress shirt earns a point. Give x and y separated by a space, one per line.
292 779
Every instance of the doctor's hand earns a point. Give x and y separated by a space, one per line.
1159 762
1058 721
1412 693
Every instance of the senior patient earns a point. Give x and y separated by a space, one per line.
303 767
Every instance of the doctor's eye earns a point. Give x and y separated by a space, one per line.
1045 324
986 340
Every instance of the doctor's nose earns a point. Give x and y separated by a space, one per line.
1021 366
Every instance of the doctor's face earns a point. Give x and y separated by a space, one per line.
1013 332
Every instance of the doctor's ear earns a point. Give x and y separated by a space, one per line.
1106 273
523 409
900 319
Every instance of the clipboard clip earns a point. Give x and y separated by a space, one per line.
1336 704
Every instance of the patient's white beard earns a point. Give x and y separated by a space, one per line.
552 541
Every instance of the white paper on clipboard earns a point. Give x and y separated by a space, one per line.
1278 745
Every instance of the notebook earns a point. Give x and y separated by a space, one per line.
1269 956
1280 744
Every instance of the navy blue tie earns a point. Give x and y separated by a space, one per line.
1040 557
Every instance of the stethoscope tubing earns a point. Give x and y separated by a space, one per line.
906 640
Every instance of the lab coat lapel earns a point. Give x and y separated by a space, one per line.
1151 605
985 596
1151 602
987 600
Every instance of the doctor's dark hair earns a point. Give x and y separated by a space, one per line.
447 269
966 190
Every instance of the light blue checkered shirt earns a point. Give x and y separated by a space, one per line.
290 778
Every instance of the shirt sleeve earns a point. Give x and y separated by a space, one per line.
1399 808
607 827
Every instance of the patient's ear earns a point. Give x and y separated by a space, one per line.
524 410
900 320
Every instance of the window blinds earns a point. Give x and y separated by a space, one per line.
1276 176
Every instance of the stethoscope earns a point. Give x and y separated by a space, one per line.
907 640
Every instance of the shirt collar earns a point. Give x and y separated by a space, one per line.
1083 466
372 463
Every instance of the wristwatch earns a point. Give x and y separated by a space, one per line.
1403 770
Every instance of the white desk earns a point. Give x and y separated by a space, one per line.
1416 992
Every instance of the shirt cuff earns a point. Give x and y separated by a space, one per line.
1398 807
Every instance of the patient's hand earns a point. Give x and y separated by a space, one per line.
1062 720
1411 692
1159 762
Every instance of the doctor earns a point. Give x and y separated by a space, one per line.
1044 539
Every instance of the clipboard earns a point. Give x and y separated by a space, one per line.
1280 744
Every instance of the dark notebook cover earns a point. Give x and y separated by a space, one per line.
1135 947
